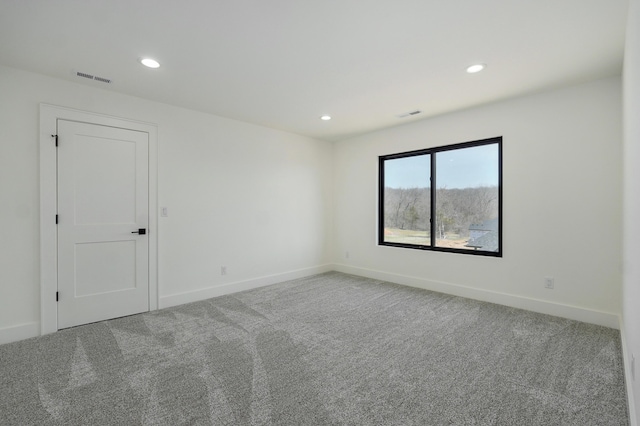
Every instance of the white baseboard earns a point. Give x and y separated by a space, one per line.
627 376
19 332
234 287
544 307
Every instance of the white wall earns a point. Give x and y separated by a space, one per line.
631 283
256 200
562 204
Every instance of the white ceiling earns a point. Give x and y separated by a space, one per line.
284 63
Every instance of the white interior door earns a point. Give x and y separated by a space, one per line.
103 202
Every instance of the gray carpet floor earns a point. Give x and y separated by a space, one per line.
332 349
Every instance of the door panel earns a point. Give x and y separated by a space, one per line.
105 181
94 272
102 199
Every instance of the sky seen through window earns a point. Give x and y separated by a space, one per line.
460 168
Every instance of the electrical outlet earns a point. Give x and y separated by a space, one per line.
223 270
549 283
346 254
164 212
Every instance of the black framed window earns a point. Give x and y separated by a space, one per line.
447 198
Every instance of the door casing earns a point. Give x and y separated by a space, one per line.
49 115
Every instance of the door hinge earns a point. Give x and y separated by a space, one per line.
57 296
56 139
56 219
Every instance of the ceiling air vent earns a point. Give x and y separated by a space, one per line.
93 77
85 75
102 79
409 114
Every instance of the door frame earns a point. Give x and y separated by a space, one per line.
49 116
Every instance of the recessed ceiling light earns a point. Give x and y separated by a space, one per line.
151 63
476 68
325 117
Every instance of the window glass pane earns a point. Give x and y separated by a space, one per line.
407 200
467 204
